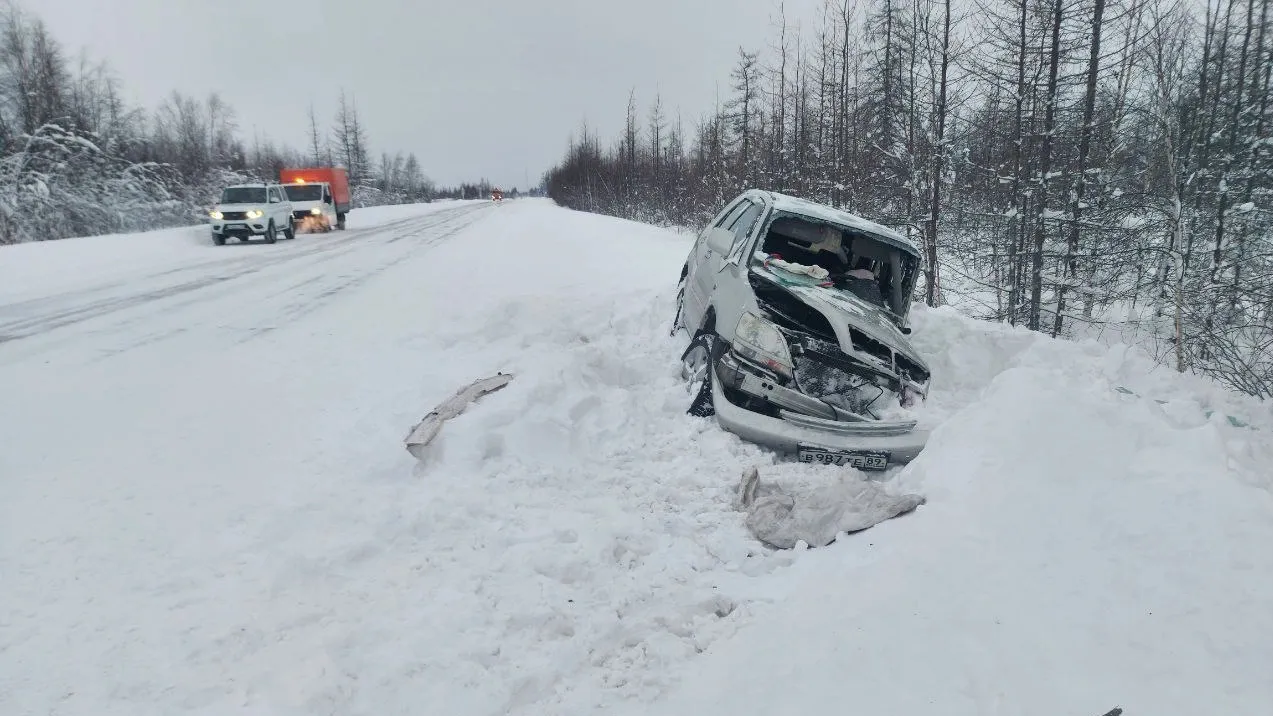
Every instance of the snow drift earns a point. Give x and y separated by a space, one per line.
236 526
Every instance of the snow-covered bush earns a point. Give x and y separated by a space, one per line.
61 183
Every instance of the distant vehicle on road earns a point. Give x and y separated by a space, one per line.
497 195
319 195
247 210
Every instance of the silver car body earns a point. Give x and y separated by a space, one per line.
835 339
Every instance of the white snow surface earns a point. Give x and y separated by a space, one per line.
206 506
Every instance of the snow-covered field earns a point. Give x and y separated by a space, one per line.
206 507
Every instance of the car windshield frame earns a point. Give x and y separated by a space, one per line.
243 195
315 189
909 260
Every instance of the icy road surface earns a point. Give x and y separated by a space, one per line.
206 507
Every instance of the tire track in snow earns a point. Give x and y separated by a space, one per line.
238 279
321 288
85 305
308 304
312 244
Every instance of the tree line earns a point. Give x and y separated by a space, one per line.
77 160
1072 166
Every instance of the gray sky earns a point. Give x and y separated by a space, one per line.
476 89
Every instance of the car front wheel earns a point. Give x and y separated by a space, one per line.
698 364
271 234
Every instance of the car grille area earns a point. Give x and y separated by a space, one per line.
825 377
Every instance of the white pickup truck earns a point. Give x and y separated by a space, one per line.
247 210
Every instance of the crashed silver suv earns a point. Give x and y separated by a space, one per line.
797 313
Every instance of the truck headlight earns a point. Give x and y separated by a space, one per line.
760 340
255 214
316 211
215 214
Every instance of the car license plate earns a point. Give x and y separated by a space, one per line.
861 459
236 226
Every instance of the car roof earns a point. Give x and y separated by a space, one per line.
796 205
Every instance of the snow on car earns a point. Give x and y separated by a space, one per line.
798 317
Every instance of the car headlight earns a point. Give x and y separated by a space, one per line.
215 214
255 214
760 340
316 211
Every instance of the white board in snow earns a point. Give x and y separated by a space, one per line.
427 429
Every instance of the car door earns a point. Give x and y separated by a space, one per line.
328 208
727 237
731 291
280 207
283 207
704 265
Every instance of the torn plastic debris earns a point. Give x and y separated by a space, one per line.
818 515
427 429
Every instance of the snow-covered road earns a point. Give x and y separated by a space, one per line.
206 507
245 289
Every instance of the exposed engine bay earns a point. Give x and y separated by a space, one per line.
866 383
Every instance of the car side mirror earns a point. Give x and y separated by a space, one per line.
720 241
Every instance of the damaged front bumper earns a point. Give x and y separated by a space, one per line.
812 429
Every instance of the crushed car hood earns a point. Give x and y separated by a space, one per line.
846 312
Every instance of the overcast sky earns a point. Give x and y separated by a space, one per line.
476 89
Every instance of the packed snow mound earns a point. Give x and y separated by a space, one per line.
234 524
1080 549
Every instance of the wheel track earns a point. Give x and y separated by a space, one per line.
235 270
73 302
306 305
236 276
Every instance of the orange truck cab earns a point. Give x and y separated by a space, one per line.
319 195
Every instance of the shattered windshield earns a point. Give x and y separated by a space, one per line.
243 195
840 257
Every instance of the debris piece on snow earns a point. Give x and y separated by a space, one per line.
816 515
427 429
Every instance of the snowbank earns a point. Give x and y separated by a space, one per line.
1080 549
205 506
